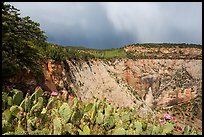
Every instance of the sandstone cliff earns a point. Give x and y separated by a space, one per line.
109 78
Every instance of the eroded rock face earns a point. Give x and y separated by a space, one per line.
122 81
48 81
113 79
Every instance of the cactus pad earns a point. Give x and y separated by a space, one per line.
119 131
57 126
86 131
14 110
18 97
38 93
65 112
10 101
138 126
168 128
99 118
88 107
33 108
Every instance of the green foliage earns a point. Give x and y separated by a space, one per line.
97 117
43 131
27 104
88 107
119 131
4 100
6 120
138 126
65 112
155 130
60 53
57 126
186 130
100 117
168 128
125 116
86 131
21 39
14 110
20 131
110 122
38 93
10 101
18 96
112 53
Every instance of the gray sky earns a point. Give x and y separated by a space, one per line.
105 25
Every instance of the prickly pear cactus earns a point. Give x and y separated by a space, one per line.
6 120
15 110
44 110
10 101
28 103
110 123
131 132
99 118
93 112
20 131
186 130
17 97
125 116
76 117
138 126
4 100
107 111
38 93
155 130
50 103
23 104
88 107
76 101
33 109
67 128
30 123
7 115
86 130
40 102
119 131
43 131
65 112
168 128
32 97
37 107
119 123
57 126
9 133
117 117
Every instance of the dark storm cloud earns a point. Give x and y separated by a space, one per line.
108 25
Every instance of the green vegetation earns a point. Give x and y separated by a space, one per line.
38 114
22 40
60 53
112 53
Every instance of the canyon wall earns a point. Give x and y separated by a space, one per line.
122 80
